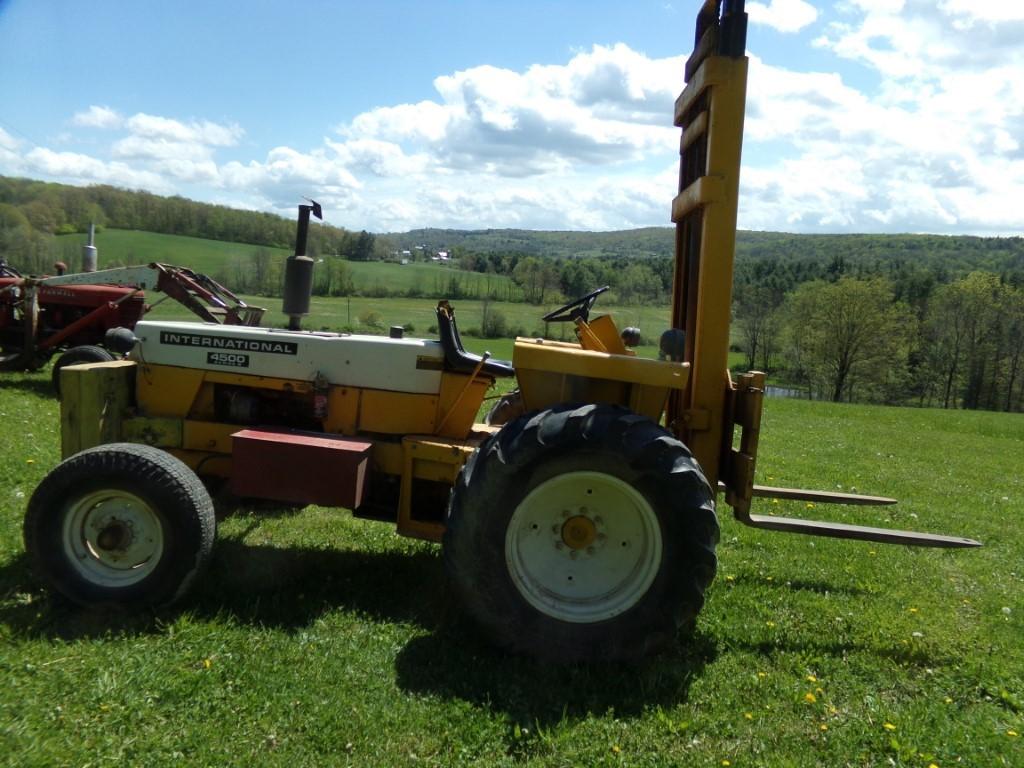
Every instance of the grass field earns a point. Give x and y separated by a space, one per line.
118 246
317 639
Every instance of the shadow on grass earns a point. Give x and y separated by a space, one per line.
290 588
455 663
33 386
260 585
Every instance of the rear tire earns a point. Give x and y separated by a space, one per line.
120 524
581 534
86 353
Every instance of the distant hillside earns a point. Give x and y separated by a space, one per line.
650 242
32 212
954 254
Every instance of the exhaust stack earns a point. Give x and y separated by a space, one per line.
90 256
298 270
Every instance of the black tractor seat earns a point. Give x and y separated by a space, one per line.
456 357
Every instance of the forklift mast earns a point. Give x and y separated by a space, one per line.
710 113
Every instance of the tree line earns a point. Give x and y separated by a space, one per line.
856 339
33 212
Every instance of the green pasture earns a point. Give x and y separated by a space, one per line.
218 258
317 639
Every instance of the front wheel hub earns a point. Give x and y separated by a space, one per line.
112 538
583 546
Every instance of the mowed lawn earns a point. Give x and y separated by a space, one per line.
316 639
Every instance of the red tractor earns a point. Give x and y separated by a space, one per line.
40 316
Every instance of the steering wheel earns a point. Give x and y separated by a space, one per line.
576 308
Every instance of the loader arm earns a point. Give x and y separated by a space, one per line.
204 296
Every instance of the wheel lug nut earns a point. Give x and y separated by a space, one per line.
574 554
590 550
598 520
583 510
559 545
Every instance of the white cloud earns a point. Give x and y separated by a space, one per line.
204 132
98 117
783 15
76 167
935 146
930 141
7 141
601 108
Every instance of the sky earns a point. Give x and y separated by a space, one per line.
863 116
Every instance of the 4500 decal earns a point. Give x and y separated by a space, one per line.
236 359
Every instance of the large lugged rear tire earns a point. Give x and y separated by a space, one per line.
580 534
120 524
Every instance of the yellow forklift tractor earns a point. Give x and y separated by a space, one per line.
581 528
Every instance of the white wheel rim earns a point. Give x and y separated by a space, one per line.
583 547
112 538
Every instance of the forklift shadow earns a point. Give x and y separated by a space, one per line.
262 585
291 587
455 663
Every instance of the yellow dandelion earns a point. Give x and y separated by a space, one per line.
616 748
872 552
823 727
726 763
913 610
932 765
948 700
207 663
819 691
775 501
730 578
30 461
810 698
748 715
833 711
812 679
1012 733
762 675
889 726
810 505
770 624
770 578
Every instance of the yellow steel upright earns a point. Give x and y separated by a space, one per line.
710 112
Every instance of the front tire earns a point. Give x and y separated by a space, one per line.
120 524
582 534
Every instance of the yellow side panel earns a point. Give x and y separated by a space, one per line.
342 410
209 436
167 390
459 403
155 431
396 413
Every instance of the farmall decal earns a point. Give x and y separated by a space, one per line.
229 343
